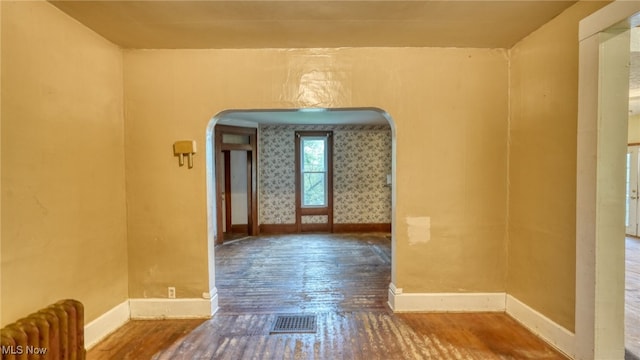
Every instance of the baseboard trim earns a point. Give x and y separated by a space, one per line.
278 229
106 324
445 302
113 319
173 308
549 331
358 228
337 228
240 228
554 334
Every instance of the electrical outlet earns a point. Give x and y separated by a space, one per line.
172 292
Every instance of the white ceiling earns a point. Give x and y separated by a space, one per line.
356 116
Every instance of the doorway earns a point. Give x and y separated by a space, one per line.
600 211
247 122
236 182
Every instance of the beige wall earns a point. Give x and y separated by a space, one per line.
63 200
450 109
542 166
634 129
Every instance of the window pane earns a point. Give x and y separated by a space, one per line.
313 157
313 193
236 139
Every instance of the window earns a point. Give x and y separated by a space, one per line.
313 167
314 180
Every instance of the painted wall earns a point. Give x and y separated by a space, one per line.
63 182
450 111
542 166
361 162
634 129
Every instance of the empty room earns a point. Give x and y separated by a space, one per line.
410 179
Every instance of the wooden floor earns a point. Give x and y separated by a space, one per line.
341 279
632 298
312 273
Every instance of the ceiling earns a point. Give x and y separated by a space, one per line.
214 24
355 116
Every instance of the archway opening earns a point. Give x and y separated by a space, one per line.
273 125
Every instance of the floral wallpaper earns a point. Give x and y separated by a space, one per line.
361 162
276 179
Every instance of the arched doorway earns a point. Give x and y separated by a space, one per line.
356 117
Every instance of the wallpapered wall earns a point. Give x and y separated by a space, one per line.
361 162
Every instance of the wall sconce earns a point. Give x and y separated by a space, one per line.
185 147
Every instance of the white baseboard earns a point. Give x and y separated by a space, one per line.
113 319
173 308
444 302
107 323
554 334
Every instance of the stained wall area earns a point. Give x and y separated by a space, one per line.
63 181
542 166
361 162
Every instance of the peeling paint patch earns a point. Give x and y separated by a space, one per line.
418 229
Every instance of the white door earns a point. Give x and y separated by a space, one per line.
631 218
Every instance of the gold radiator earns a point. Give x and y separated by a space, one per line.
53 333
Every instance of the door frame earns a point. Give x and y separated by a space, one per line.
252 171
633 167
227 191
602 139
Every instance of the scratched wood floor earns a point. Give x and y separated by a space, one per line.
343 279
632 299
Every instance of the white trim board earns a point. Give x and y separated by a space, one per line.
608 16
105 324
549 331
112 320
554 334
173 308
445 302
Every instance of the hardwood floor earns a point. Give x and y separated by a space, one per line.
632 298
364 335
292 273
141 339
343 279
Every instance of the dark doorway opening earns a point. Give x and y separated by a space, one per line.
236 164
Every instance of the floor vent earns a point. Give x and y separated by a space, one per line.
287 324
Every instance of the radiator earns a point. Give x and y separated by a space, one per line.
53 333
